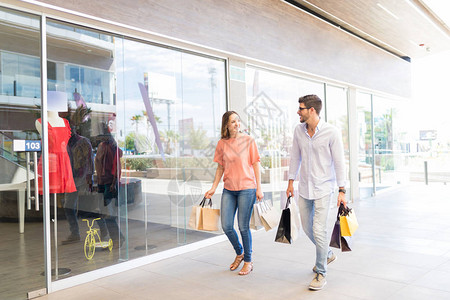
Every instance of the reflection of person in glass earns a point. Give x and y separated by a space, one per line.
60 170
237 160
82 162
107 166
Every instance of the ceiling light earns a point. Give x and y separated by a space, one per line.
388 11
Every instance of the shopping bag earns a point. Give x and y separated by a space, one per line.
195 219
336 235
337 240
210 217
284 227
268 215
255 220
346 242
295 219
349 224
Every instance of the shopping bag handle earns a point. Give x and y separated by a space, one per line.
344 211
205 202
288 201
202 203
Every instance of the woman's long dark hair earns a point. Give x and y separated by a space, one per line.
224 133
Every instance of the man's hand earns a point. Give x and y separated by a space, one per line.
341 199
290 189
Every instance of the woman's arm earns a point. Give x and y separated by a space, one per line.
259 193
217 177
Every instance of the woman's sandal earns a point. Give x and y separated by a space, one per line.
246 269
237 262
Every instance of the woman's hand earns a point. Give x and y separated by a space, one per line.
210 193
259 195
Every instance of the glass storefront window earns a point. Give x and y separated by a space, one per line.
384 144
168 105
337 115
365 156
21 222
132 132
143 118
272 104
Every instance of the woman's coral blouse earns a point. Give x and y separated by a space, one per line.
237 156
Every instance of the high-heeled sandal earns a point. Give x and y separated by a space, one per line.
237 261
246 269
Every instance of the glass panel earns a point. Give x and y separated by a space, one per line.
86 185
365 161
134 119
203 90
337 114
388 130
160 94
21 223
272 104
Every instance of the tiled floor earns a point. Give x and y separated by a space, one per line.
401 251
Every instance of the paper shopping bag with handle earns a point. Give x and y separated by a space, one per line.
210 217
295 219
349 224
195 219
284 228
336 235
269 216
255 219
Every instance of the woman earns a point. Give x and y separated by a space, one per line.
238 161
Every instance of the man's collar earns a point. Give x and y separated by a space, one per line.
319 125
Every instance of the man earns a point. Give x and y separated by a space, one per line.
107 165
318 152
82 161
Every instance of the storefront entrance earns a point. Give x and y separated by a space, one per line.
21 218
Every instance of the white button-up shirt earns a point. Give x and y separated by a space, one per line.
320 159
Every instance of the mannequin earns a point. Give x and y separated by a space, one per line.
60 170
53 119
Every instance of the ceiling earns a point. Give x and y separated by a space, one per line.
407 28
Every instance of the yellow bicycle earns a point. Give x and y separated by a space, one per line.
90 241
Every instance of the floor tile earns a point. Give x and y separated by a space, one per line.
393 257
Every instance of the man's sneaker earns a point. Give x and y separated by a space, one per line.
103 244
73 238
318 282
330 259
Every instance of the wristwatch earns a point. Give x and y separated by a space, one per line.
341 190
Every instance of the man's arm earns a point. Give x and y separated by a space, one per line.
294 164
337 152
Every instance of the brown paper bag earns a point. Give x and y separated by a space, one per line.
210 218
195 219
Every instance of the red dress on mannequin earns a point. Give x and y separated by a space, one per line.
60 170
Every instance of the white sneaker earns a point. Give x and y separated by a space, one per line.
318 282
103 244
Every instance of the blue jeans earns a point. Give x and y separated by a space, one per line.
70 209
109 214
242 201
314 215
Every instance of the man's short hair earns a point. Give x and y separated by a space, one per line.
312 101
